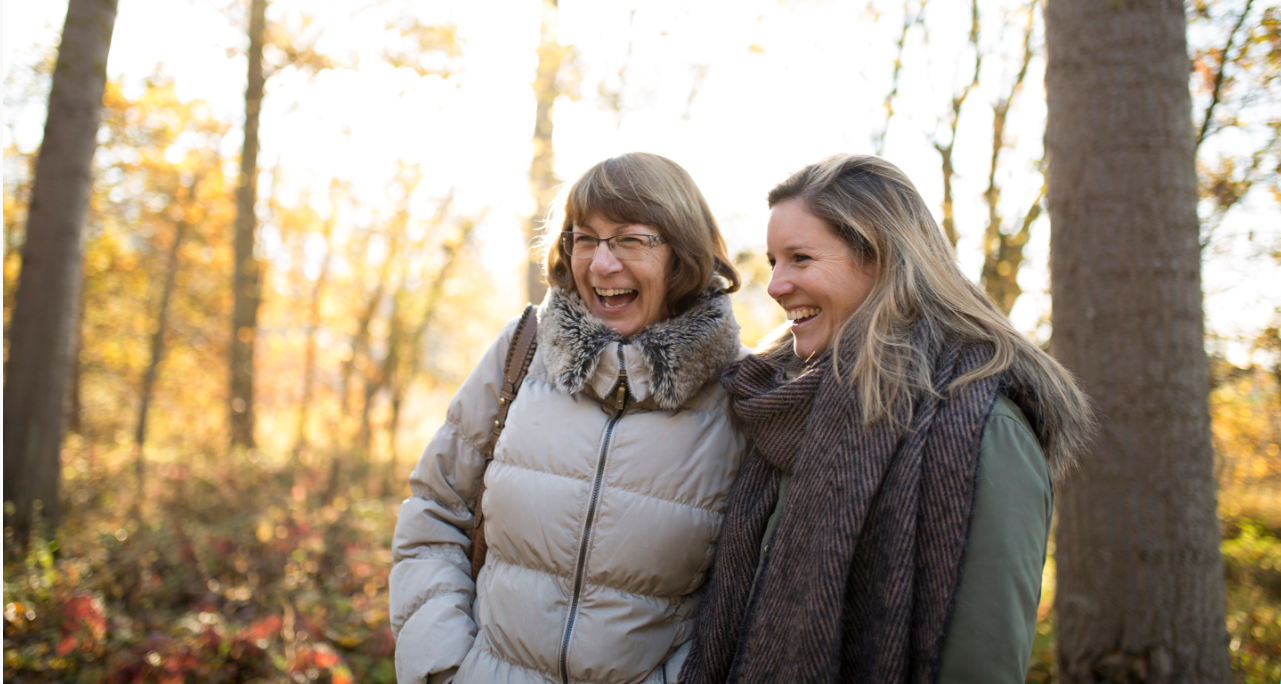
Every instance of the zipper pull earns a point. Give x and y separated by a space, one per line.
621 400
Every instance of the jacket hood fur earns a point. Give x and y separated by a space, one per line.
1059 413
678 355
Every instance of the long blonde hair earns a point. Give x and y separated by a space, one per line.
873 207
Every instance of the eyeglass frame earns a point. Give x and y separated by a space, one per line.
651 241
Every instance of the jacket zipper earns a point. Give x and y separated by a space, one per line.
620 403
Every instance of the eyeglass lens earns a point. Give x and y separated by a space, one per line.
625 247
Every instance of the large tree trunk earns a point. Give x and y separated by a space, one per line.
1140 578
40 332
247 286
542 172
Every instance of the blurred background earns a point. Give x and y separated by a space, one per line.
224 530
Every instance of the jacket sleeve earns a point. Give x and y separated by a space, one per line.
431 589
989 637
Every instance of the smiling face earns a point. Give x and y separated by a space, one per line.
817 278
626 295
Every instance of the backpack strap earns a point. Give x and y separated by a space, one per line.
519 355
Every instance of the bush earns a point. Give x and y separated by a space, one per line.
225 576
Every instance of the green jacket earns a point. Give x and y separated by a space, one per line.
989 637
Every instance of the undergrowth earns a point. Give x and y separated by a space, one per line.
230 574
238 571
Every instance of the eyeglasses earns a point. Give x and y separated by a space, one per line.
627 247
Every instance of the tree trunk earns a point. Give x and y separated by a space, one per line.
542 172
1140 593
75 368
313 325
360 338
49 282
247 285
158 345
382 374
400 383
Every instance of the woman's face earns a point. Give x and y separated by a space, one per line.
818 279
626 295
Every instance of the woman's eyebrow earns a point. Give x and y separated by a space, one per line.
617 227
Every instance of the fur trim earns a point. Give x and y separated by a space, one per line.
680 354
1060 414
571 339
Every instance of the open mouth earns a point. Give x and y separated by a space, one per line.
802 315
614 299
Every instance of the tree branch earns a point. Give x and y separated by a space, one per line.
1216 91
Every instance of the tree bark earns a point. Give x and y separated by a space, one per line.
75 368
49 283
542 172
1140 593
247 285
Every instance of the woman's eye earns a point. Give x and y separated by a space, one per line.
630 241
771 264
797 258
580 239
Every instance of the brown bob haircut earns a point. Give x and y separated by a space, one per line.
643 188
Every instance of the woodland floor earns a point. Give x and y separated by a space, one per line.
266 574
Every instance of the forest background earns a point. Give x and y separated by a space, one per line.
407 151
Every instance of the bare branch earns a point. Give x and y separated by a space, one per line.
908 22
1216 91
954 118
1003 253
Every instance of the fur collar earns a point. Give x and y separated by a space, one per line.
670 360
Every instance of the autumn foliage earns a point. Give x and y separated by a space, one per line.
180 560
235 575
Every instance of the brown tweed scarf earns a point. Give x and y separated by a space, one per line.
860 576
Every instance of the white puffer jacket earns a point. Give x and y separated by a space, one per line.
602 512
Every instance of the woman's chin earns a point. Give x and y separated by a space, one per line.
625 322
804 346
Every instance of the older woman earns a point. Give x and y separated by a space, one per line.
605 495
891 524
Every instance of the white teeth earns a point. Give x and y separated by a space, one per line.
798 314
611 293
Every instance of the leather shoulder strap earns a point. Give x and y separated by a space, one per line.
524 344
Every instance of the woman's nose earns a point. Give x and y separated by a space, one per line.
779 284
604 262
